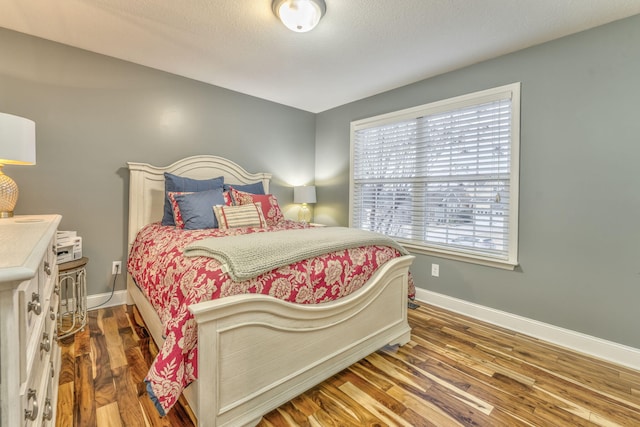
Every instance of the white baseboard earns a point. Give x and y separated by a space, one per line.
597 347
103 301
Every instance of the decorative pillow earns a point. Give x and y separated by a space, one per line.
228 201
196 208
175 183
253 188
177 216
270 208
240 216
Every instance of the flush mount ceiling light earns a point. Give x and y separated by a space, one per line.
299 15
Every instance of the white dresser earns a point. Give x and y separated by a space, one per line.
29 353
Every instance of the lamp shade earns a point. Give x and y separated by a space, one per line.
304 194
17 140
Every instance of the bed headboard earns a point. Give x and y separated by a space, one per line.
146 184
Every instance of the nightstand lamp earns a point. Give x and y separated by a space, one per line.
17 147
304 194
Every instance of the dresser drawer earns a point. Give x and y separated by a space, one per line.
33 295
35 298
32 300
38 402
43 368
35 394
49 409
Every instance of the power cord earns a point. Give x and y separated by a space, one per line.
113 288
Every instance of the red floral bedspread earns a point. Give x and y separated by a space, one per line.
172 282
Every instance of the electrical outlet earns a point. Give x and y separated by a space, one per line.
116 267
435 270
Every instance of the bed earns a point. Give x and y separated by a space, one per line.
256 352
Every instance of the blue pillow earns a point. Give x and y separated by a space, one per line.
253 188
180 183
197 208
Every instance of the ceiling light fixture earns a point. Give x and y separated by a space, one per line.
299 15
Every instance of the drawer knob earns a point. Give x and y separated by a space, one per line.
47 268
45 344
32 414
34 304
47 411
52 314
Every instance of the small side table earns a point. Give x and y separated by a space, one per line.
72 311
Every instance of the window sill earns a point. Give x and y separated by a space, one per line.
457 256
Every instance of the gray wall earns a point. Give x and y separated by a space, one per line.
94 113
579 199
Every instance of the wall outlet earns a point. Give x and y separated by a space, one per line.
435 270
116 267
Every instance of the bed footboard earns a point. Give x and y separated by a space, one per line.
256 352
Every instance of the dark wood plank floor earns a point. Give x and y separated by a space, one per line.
454 372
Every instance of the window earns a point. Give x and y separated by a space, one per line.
442 178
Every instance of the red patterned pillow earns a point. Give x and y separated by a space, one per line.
227 198
177 217
270 208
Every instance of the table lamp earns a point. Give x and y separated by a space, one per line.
17 147
304 194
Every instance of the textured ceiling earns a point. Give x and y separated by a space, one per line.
360 48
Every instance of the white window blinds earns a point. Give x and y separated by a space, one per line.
442 177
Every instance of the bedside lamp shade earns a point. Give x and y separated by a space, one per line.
304 194
17 147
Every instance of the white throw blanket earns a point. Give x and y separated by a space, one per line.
249 255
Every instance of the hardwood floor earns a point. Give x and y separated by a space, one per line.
455 371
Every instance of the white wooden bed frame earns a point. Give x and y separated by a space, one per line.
256 352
